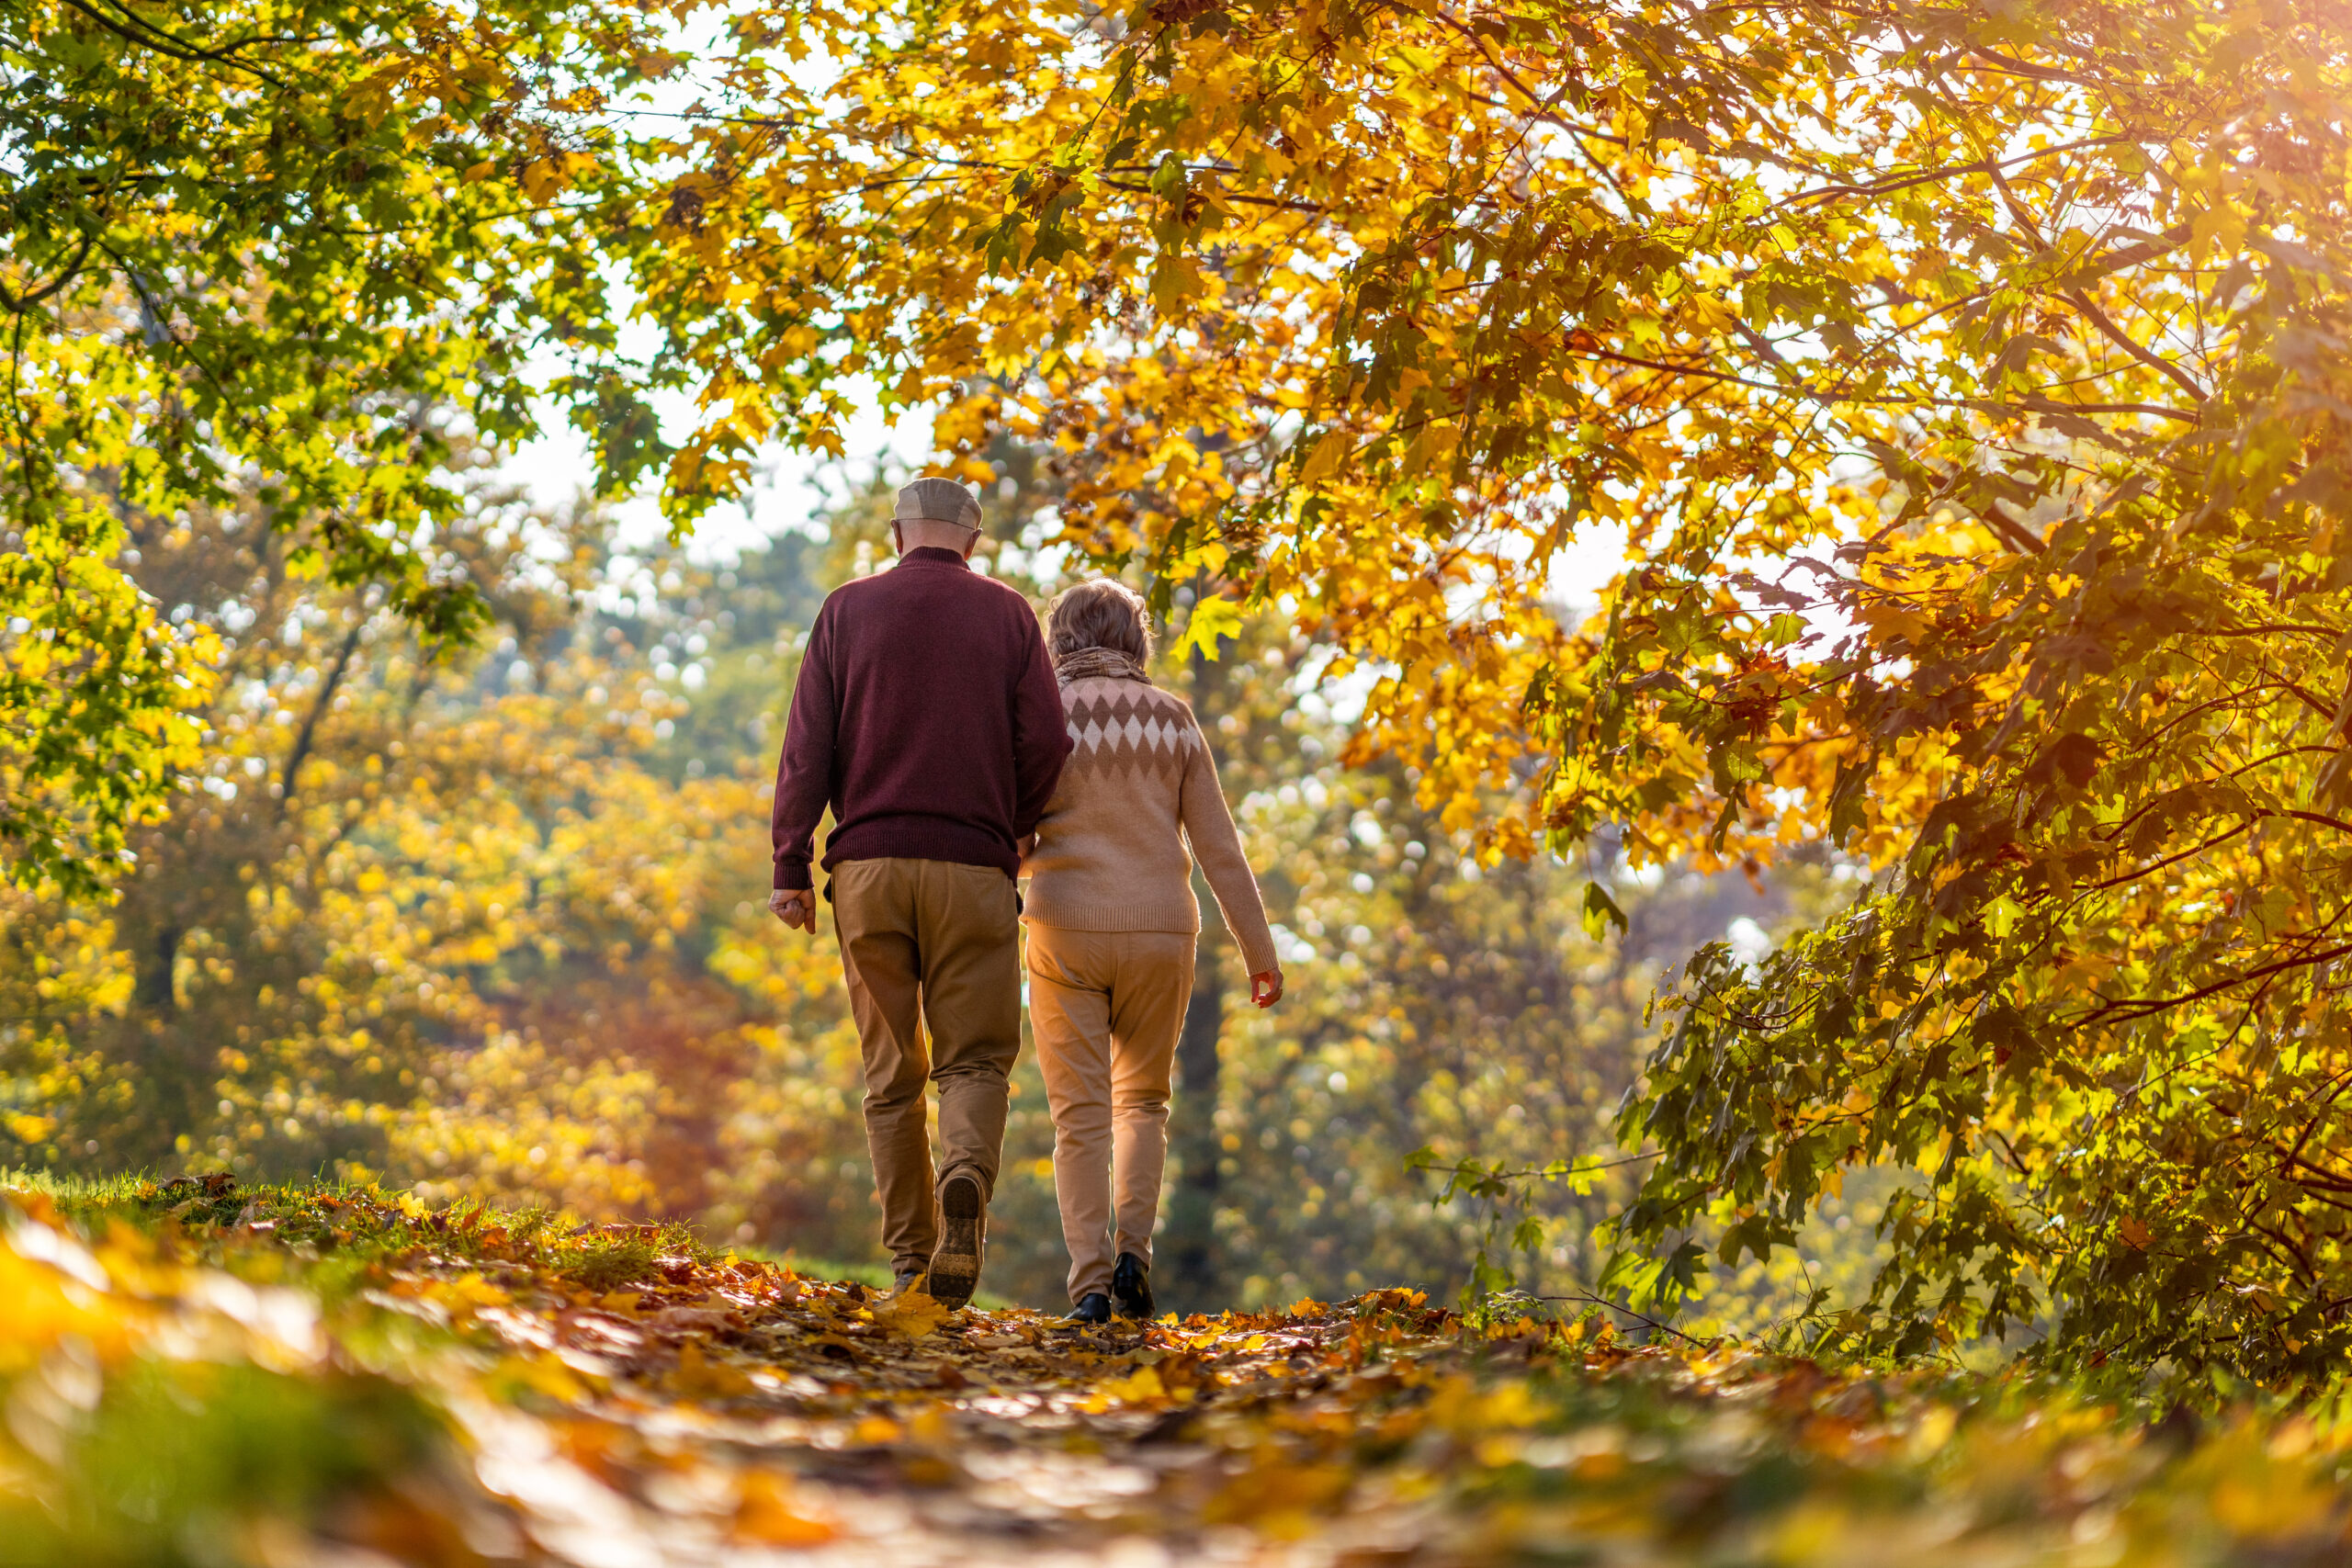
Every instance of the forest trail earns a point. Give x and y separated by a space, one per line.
747 1411
335 1377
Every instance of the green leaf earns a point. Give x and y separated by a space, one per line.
1212 618
1600 912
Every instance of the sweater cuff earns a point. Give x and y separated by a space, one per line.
792 875
1259 955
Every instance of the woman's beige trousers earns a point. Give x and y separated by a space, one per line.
1106 1008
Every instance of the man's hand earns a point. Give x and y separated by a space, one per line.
798 907
1266 987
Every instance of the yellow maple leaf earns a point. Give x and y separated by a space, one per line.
912 1313
1328 454
1142 1386
872 1431
697 1377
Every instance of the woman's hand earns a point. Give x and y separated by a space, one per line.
1266 987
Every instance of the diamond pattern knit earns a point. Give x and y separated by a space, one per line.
1132 728
1137 802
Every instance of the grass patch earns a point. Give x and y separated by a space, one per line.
341 1231
341 1223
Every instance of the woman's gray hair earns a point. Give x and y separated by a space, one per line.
1105 613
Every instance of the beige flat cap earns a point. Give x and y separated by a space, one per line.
937 499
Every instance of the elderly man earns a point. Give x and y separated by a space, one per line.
927 718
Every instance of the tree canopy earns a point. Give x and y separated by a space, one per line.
1970 384
303 243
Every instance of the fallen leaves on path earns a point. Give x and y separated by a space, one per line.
305 1377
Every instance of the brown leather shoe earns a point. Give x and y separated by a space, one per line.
963 1216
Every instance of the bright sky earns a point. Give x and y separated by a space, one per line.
794 488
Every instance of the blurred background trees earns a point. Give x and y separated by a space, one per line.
491 920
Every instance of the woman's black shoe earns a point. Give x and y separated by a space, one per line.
1131 1287
1093 1307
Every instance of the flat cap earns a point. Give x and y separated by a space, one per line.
937 501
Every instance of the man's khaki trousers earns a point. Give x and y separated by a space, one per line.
932 954
1107 1008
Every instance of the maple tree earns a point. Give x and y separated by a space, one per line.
388 923
1969 385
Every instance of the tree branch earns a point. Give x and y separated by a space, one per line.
2142 1007
20 303
149 36
2124 341
301 751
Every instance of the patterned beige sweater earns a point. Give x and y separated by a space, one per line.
1110 852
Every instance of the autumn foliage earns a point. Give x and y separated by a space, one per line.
1969 389
1966 384
200 1372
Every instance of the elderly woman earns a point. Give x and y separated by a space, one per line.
1112 926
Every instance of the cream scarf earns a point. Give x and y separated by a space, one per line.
1107 662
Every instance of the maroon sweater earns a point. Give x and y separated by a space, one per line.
926 716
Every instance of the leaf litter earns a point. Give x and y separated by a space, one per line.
345 1378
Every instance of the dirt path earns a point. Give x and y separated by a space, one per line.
733 1416
194 1375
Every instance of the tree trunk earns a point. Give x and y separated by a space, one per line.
1188 1273
303 741
1188 1263
151 987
